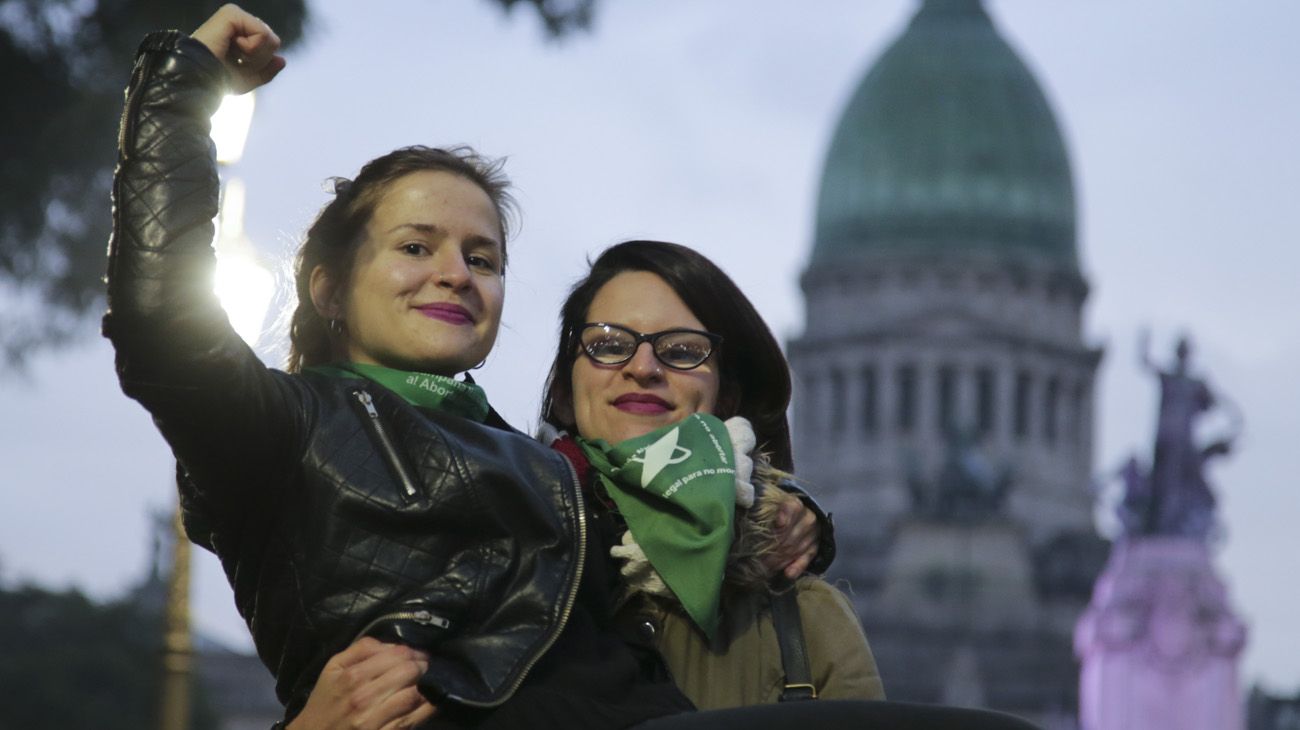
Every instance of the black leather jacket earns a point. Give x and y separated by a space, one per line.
337 509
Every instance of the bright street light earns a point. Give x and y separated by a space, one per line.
243 285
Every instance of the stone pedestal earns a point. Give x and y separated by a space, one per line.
1159 643
958 621
960 578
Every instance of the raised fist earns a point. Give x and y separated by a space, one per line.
246 45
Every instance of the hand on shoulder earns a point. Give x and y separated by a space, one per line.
797 534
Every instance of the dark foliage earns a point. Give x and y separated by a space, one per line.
559 16
64 73
71 663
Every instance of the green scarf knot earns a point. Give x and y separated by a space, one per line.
675 487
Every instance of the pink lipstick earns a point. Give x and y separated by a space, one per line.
642 403
447 312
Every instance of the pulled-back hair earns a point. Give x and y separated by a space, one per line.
336 234
753 373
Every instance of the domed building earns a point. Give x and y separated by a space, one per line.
943 389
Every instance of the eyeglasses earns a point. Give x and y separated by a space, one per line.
679 349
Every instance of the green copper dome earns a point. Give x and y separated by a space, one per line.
947 145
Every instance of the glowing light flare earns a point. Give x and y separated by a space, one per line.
230 218
244 287
230 126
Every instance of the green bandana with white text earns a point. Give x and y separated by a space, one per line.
676 488
435 392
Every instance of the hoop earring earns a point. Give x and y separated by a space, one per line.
337 328
480 364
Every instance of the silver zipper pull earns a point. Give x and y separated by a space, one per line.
367 403
385 444
425 617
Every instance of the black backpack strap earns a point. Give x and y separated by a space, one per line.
794 651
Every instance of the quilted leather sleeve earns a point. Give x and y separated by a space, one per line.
230 421
165 194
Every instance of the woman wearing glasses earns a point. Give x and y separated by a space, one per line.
709 352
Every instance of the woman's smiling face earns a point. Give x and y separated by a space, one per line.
426 289
619 402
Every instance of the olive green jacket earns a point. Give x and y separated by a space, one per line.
743 664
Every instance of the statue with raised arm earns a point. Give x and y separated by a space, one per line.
1175 497
1160 641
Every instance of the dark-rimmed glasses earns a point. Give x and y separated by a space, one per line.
679 349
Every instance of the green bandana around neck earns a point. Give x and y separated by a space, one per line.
676 488
425 390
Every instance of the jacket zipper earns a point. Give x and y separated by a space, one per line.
125 135
419 616
568 600
385 443
126 127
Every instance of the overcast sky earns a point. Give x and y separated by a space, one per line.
706 124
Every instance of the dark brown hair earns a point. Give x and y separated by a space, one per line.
336 234
754 375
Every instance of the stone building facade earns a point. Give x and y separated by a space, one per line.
943 386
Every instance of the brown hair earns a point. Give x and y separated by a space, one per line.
334 237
